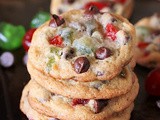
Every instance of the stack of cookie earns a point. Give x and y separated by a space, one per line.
79 67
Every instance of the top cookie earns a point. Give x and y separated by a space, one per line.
83 45
121 7
148 41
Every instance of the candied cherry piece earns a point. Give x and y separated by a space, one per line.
111 31
57 41
152 83
142 45
155 33
79 101
99 5
27 39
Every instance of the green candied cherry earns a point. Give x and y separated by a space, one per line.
86 45
142 32
11 36
66 34
83 45
39 19
54 55
50 62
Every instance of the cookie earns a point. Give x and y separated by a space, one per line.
121 7
123 115
57 106
25 107
119 85
83 45
34 115
148 41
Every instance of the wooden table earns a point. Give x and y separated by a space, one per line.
12 80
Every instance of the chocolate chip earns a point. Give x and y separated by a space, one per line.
68 53
102 53
60 11
123 74
7 59
156 33
127 37
99 105
92 10
96 84
113 20
56 21
81 65
70 1
111 4
100 73
79 101
53 119
152 64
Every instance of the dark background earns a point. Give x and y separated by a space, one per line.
12 80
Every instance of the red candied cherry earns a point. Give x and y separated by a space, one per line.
142 45
120 1
57 41
27 39
111 31
99 5
79 101
152 84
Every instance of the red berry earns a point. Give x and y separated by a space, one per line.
79 101
142 45
99 5
57 41
120 1
27 39
153 82
111 31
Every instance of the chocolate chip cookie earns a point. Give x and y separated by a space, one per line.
148 41
61 107
121 7
119 85
84 45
